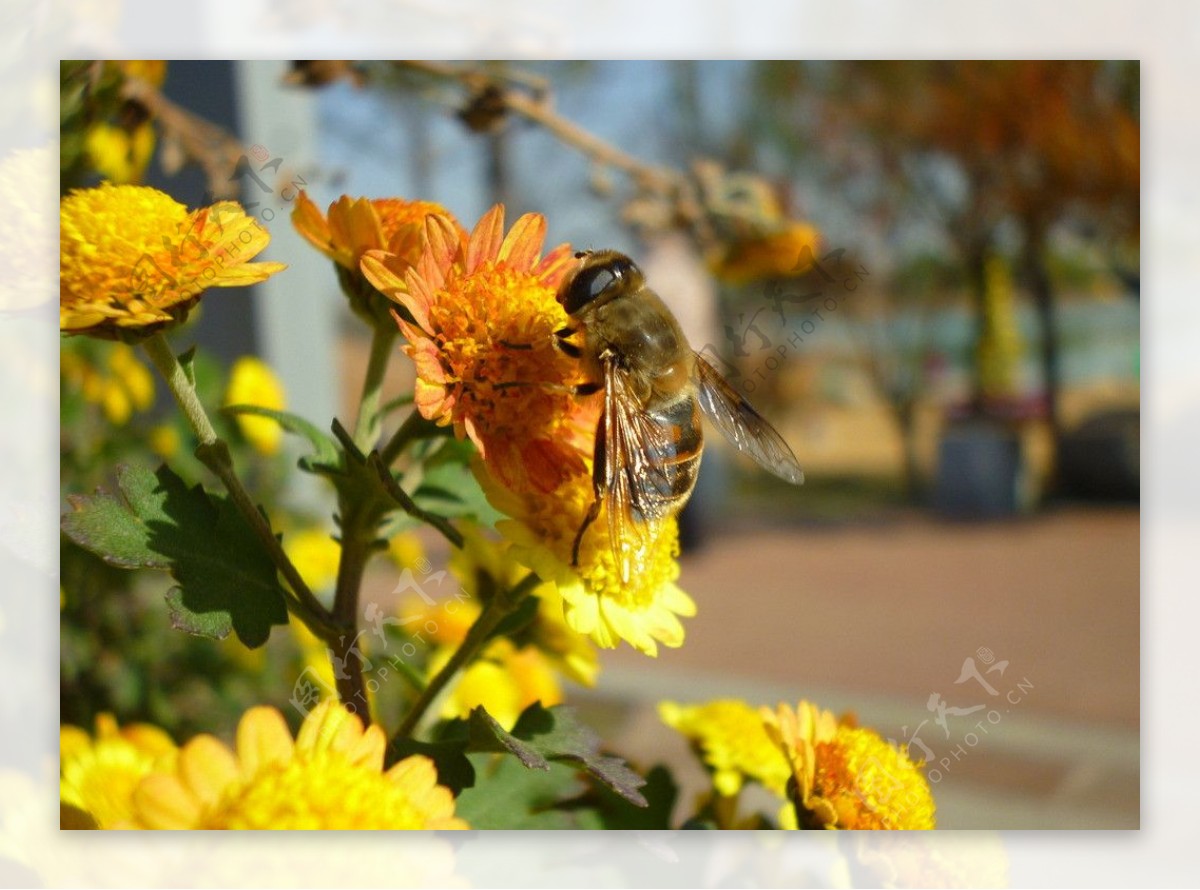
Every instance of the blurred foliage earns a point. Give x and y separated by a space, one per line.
118 651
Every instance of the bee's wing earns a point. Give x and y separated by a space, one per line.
743 426
636 488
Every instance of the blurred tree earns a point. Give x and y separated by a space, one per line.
988 146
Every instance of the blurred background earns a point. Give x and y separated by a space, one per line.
925 274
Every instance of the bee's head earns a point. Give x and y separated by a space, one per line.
600 276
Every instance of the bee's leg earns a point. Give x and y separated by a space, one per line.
599 486
577 389
592 513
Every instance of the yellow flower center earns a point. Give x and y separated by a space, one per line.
870 784
107 231
322 791
505 338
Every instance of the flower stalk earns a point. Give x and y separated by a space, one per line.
214 454
503 604
370 419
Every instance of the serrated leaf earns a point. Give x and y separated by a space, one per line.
506 795
325 450
544 734
611 811
226 582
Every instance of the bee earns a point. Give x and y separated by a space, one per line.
649 438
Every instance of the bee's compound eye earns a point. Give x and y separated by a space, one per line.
588 285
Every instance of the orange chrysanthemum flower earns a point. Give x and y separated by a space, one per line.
134 260
482 338
353 226
845 776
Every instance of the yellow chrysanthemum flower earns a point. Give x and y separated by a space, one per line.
355 225
98 775
315 554
330 777
845 776
778 253
729 737
643 611
119 154
133 259
116 381
253 382
505 680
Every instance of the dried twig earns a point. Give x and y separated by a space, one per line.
192 138
501 92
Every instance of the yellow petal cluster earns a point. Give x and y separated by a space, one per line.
831 773
114 379
98 773
134 260
731 740
330 777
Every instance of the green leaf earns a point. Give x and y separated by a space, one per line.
398 402
448 754
325 450
226 581
517 621
610 810
544 734
444 484
506 795
187 361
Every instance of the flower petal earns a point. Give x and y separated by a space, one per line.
163 801
263 738
486 238
523 244
206 766
311 224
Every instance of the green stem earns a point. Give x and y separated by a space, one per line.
498 608
214 454
370 420
357 540
413 427
402 497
